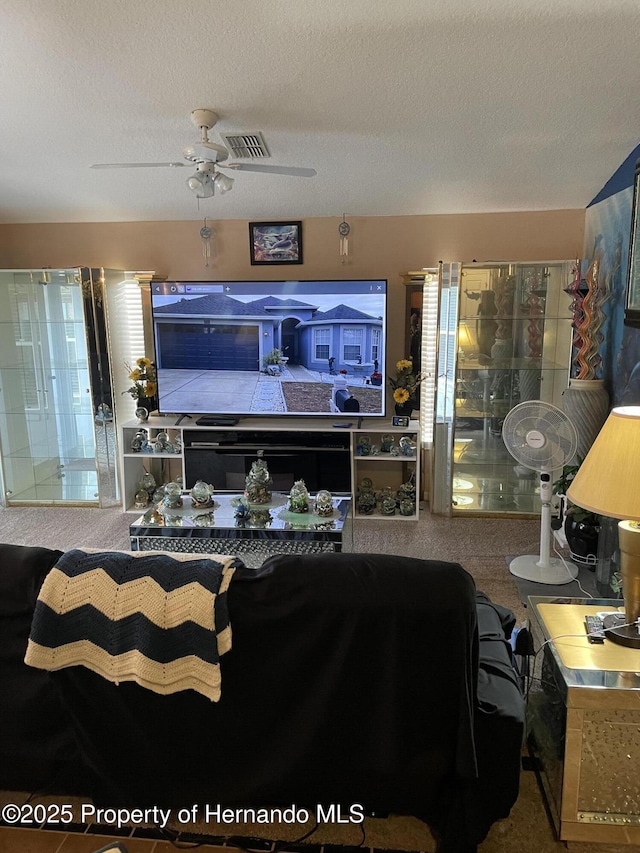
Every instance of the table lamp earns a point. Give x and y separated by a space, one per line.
608 483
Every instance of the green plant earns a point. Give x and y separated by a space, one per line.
274 357
561 487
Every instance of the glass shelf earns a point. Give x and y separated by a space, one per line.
508 333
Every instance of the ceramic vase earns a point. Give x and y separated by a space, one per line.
586 402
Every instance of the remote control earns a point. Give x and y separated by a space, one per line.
595 629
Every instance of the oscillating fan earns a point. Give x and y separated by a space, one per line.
540 436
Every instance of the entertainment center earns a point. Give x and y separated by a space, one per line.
337 457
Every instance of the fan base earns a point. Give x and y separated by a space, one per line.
554 572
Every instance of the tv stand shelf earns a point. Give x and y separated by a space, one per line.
325 456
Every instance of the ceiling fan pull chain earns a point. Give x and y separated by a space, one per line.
344 229
206 234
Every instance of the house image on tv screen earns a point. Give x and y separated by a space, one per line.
216 331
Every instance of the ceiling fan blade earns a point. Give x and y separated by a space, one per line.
272 170
133 165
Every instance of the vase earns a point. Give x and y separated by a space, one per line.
586 403
148 403
405 409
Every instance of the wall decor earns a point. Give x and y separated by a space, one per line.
275 242
632 306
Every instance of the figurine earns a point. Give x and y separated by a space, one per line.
407 446
388 505
407 491
141 500
139 441
172 496
147 483
162 444
323 504
201 494
241 511
258 482
366 502
387 443
299 497
407 507
364 446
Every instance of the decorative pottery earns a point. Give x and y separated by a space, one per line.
404 409
586 402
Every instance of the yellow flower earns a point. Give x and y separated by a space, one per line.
401 395
404 364
143 377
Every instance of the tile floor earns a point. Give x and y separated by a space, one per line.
17 840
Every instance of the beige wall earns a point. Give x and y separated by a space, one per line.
380 247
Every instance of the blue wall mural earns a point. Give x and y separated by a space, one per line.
606 242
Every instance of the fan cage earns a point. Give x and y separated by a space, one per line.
560 440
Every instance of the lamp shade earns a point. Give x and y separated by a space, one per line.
608 481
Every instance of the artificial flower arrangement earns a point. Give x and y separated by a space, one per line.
144 379
406 382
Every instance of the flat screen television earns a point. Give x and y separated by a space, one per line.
270 348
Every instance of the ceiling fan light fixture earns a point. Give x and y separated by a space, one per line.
223 183
200 182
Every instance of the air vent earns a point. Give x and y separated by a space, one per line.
246 146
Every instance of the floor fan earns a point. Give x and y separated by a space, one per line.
541 437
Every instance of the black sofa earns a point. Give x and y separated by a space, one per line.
375 680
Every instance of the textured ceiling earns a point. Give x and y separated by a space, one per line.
409 107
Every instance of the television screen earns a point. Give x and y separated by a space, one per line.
270 347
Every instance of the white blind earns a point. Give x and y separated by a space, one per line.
125 326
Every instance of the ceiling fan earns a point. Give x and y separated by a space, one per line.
207 155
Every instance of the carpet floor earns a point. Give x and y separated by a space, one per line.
479 545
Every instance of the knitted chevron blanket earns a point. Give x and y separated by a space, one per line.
153 617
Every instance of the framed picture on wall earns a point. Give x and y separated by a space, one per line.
632 305
275 242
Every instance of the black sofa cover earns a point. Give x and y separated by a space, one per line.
353 678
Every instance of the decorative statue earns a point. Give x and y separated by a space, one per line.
299 497
258 482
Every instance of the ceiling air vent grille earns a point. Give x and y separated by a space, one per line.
246 146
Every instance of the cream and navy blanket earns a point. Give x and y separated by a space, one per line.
156 618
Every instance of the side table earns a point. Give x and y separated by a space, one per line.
583 723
